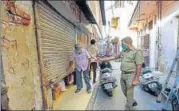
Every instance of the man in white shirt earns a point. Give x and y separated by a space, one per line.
93 51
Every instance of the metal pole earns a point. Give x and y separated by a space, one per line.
42 75
157 42
159 7
0 53
177 42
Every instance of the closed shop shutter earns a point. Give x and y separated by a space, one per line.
56 41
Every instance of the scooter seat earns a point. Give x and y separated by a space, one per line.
106 70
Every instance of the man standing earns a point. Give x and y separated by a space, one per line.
82 60
93 51
131 66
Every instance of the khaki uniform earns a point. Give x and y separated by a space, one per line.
128 67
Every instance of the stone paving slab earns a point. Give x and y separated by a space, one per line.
98 100
101 101
69 100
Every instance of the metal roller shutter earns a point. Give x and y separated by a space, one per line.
56 40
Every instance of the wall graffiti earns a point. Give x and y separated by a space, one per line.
24 79
11 71
16 15
9 43
25 63
11 46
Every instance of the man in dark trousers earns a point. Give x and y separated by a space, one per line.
131 66
93 51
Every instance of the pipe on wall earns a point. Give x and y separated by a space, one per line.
159 10
177 40
42 78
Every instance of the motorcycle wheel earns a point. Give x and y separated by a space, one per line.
146 88
158 92
110 93
175 104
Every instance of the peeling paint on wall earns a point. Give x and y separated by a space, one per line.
19 55
15 14
11 47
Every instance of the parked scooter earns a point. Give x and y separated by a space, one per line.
149 82
107 81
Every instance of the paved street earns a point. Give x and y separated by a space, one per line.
100 101
103 102
43 42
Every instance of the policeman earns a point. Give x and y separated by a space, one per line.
131 65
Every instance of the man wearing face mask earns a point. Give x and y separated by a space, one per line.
131 66
82 60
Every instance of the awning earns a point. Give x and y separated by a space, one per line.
143 13
86 11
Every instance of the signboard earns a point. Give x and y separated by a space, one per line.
114 22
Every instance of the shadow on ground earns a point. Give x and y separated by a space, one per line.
100 101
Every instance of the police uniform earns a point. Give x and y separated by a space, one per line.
130 59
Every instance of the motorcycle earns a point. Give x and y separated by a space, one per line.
107 81
149 82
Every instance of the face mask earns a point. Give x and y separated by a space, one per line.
78 51
124 47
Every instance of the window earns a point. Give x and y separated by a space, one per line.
119 4
130 2
109 23
155 19
150 24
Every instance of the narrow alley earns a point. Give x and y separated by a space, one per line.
103 102
89 55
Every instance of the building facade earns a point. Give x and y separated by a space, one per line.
118 14
157 27
37 40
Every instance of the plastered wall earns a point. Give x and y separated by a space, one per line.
168 37
19 54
